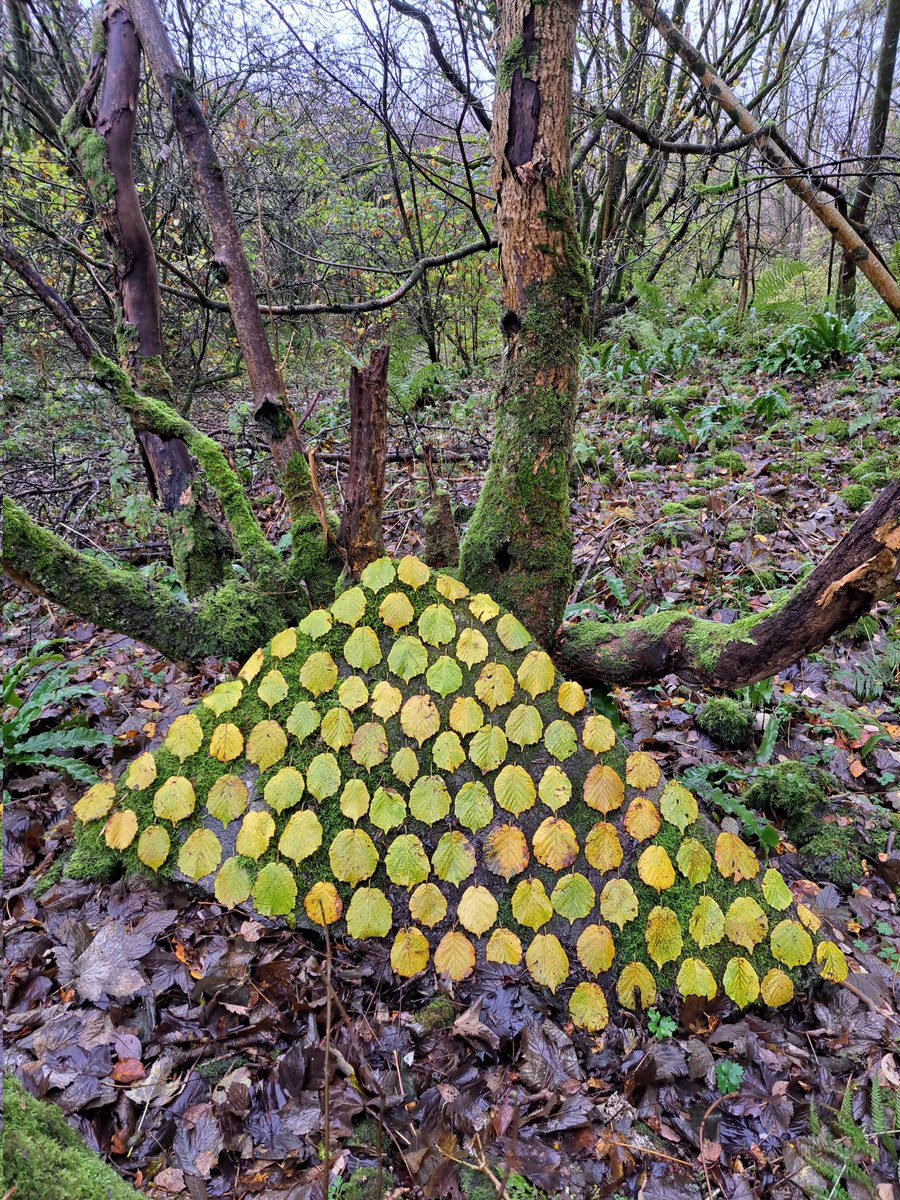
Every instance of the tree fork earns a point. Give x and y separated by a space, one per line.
863 568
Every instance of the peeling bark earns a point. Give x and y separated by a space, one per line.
361 533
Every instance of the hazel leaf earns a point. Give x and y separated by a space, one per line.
694 978
531 905
678 806
273 688
641 771
256 831
505 851
406 861
362 649
555 788
337 728
352 856
378 574
322 903
301 837
471 646
603 789
200 854
141 773
413 572
602 848
444 676
317 623
410 952
635 986
483 607
472 806
224 696
354 800
266 744
488 748
598 734
512 633
694 861
387 810
571 698
524 726
618 903
503 947
791 944
283 644
96 801
405 765
595 949
153 847
304 720
560 740
477 909
466 715
735 859
454 957
120 829
655 868
407 657
663 935
547 961
323 776
233 884
284 790
437 625
740 981
386 700
185 737
427 905
175 799
447 752
226 743
396 611
369 746
350 607
536 673
495 685
429 799
573 897
419 718
554 844
319 673
776 988
226 800
642 819
707 923
453 859
745 923
514 789
587 1007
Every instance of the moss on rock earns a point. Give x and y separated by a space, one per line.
727 722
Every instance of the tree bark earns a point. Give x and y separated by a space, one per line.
775 151
861 569
878 124
361 532
518 545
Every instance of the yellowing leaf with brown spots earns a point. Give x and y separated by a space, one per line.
477 909
227 798
396 611
352 856
655 868
319 673
447 752
635 986
302 836
678 806
776 988
546 961
369 914
471 647
273 688
283 644
603 789
524 726
427 905
429 800
153 847
354 800
707 923
200 854
745 923
587 1007
791 944
362 649
595 949
284 789
694 861
185 737
386 700
696 979
413 572
488 748
266 744
641 771
322 903
503 947
233 883
454 957
466 715
96 801
531 905
663 935
175 799
254 835
453 859
602 847
734 858
226 743
506 851
598 734
350 607
571 698
323 776
740 981
536 673
387 810
832 963
514 789
554 844
618 903
419 718
512 633
495 685
141 773
120 829
409 953
808 918
369 747
573 897
642 819
555 787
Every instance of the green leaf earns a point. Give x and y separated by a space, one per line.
387 810
350 606
437 625
444 676
408 657
275 891
406 861
323 776
352 856
362 649
429 800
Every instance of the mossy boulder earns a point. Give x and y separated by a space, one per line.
45 1159
857 496
727 722
408 765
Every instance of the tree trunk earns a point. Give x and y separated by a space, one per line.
878 124
519 542
361 532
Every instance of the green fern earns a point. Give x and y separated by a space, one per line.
772 284
843 1152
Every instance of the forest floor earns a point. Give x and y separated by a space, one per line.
713 488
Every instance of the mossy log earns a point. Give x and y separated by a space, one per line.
863 568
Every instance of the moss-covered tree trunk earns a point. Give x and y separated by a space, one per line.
519 542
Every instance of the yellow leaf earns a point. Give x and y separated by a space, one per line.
451 589
808 918
97 801
175 800
734 858
471 647
694 861
283 644
454 956
602 848
554 844
323 904
354 799
369 747
419 718
573 897
603 789
232 884
635 986
776 988
495 685
386 700
488 747
453 859
413 572
227 798
560 740
226 743
477 909
317 623
409 953
536 674
524 726
337 728
388 809
273 688
323 776
447 752
153 847
302 836
353 693
663 935
396 611
655 868
595 949
350 607
483 607
618 903
120 829
224 697
745 923
352 856
252 666
429 800
642 819
512 633
678 806
571 698
641 771
514 789
832 962
200 854
405 765
546 961
141 773
427 905
284 789
503 947
587 1007
406 861
369 914
695 979
598 734
185 737
254 835
555 788
319 673
437 625
707 924
776 892
791 944
378 574
266 744
362 649
506 851
531 905
275 891
466 715
740 981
